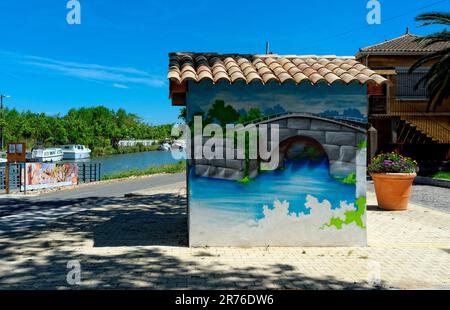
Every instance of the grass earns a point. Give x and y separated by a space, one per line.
349 179
174 168
442 175
109 150
362 145
245 181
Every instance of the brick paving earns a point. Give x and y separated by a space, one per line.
140 242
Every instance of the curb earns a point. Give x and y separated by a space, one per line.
178 189
433 182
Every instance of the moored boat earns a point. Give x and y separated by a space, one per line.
179 145
75 151
47 155
3 159
164 147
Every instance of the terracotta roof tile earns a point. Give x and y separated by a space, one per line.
266 68
405 44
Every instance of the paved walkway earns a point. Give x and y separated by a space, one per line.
140 242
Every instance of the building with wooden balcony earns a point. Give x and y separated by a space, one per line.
397 110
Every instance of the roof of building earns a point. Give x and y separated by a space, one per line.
403 45
271 67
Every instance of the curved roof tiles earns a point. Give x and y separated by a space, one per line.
265 68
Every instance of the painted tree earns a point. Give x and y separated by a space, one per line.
223 114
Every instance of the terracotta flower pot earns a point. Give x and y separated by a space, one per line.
393 190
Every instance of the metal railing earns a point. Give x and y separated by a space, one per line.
2 178
89 172
14 175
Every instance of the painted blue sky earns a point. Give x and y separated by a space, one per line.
117 57
287 97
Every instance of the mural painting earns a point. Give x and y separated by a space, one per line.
315 196
49 175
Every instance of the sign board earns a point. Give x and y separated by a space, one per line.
17 152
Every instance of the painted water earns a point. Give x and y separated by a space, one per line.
293 184
300 201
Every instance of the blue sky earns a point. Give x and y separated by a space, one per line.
117 57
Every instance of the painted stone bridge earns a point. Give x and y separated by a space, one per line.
339 139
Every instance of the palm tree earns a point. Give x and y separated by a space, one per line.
437 79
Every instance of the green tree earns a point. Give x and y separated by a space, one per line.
437 79
183 114
96 127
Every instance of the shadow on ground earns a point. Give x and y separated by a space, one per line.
118 243
375 208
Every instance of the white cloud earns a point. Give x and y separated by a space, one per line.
116 85
278 227
87 71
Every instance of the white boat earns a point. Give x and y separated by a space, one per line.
76 151
165 147
3 159
179 145
47 155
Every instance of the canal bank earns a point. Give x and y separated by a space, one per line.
114 164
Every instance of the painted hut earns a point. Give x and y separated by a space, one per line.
297 177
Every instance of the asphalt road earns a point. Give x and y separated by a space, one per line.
114 188
92 193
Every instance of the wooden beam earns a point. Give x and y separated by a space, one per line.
385 71
179 99
178 93
178 88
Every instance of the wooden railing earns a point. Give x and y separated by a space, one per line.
436 125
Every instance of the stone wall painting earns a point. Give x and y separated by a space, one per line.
317 194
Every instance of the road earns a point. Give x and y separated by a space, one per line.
88 192
114 188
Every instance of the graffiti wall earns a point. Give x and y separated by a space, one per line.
317 194
49 175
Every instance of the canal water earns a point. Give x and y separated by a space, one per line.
124 162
